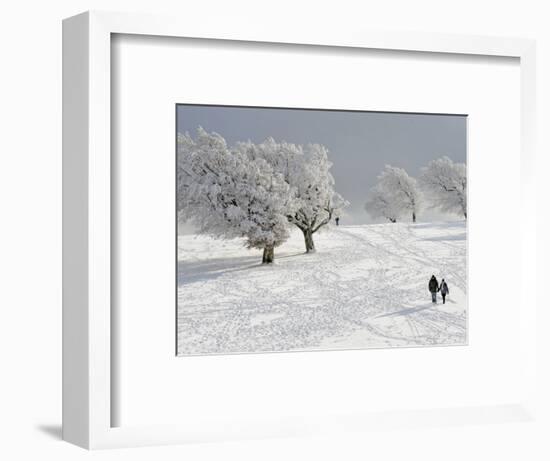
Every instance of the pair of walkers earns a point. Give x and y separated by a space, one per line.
434 287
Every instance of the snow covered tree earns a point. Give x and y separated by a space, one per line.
395 195
381 204
402 189
446 185
228 195
306 169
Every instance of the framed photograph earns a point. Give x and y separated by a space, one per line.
284 232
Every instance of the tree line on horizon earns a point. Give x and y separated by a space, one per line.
257 191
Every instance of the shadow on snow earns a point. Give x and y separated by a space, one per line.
440 225
407 311
199 271
443 238
196 271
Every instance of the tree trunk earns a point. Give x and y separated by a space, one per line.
414 216
308 238
268 255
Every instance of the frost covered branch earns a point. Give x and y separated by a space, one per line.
445 182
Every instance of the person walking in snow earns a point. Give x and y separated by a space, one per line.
337 221
433 286
444 289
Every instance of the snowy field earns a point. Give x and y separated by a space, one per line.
365 286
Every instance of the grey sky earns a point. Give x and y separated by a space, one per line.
359 143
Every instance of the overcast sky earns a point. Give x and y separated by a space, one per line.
359 143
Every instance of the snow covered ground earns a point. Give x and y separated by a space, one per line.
365 286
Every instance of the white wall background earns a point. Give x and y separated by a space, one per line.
30 235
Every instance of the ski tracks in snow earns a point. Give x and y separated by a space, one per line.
366 286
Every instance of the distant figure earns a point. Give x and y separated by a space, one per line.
444 289
433 286
337 221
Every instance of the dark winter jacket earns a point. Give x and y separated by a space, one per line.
433 285
444 288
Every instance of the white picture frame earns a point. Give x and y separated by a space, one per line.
88 365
